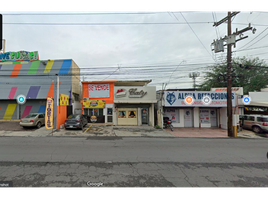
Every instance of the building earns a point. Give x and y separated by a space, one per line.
258 104
36 80
98 97
197 114
134 103
119 102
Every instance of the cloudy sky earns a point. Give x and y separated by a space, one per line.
132 42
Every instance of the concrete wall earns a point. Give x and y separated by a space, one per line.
223 118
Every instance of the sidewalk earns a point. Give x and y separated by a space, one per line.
102 130
211 133
140 131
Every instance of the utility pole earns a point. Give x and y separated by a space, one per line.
229 80
193 75
219 47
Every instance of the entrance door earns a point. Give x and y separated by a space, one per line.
188 118
144 116
213 117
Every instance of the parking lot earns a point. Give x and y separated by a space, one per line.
14 126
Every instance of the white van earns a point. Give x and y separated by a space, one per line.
257 123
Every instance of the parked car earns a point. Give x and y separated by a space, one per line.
33 119
75 121
257 123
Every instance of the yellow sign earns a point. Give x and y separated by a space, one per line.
49 114
64 100
93 104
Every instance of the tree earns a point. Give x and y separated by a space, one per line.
249 73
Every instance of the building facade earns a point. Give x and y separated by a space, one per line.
36 80
119 102
197 114
98 100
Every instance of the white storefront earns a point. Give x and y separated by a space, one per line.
197 114
134 105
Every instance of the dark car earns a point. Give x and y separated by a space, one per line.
75 121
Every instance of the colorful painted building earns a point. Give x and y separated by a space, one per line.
36 80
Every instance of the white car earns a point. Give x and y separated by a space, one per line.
257 123
33 119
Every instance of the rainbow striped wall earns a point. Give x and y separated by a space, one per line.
35 80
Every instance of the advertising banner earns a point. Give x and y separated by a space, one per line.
177 99
93 104
64 99
98 90
49 114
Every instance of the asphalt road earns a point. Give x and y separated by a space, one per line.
133 162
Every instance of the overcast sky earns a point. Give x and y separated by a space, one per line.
121 43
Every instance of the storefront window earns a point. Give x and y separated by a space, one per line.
172 114
88 111
122 114
100 111
109 111
204 116
132 114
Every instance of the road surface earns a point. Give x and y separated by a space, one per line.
133 162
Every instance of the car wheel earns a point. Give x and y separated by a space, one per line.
256 129
39 125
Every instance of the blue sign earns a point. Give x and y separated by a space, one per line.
246 100
21 99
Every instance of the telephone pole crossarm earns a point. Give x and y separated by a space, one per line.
225 19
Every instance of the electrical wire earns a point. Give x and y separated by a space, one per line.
253 39
100 24
197 37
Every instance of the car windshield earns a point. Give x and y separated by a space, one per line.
73 117
31 116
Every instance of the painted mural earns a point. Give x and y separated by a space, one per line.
36 80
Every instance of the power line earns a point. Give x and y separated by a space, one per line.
100 24
251 49
108 13
197 37
253 39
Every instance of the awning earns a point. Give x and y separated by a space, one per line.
257 103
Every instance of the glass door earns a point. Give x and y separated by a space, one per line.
144 116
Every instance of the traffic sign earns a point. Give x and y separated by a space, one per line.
21 99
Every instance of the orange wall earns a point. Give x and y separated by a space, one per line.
61 115
107 99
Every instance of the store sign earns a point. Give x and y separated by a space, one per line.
98 90
20 55
177 98
49 114
64 99
93 104
134 93
93 119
